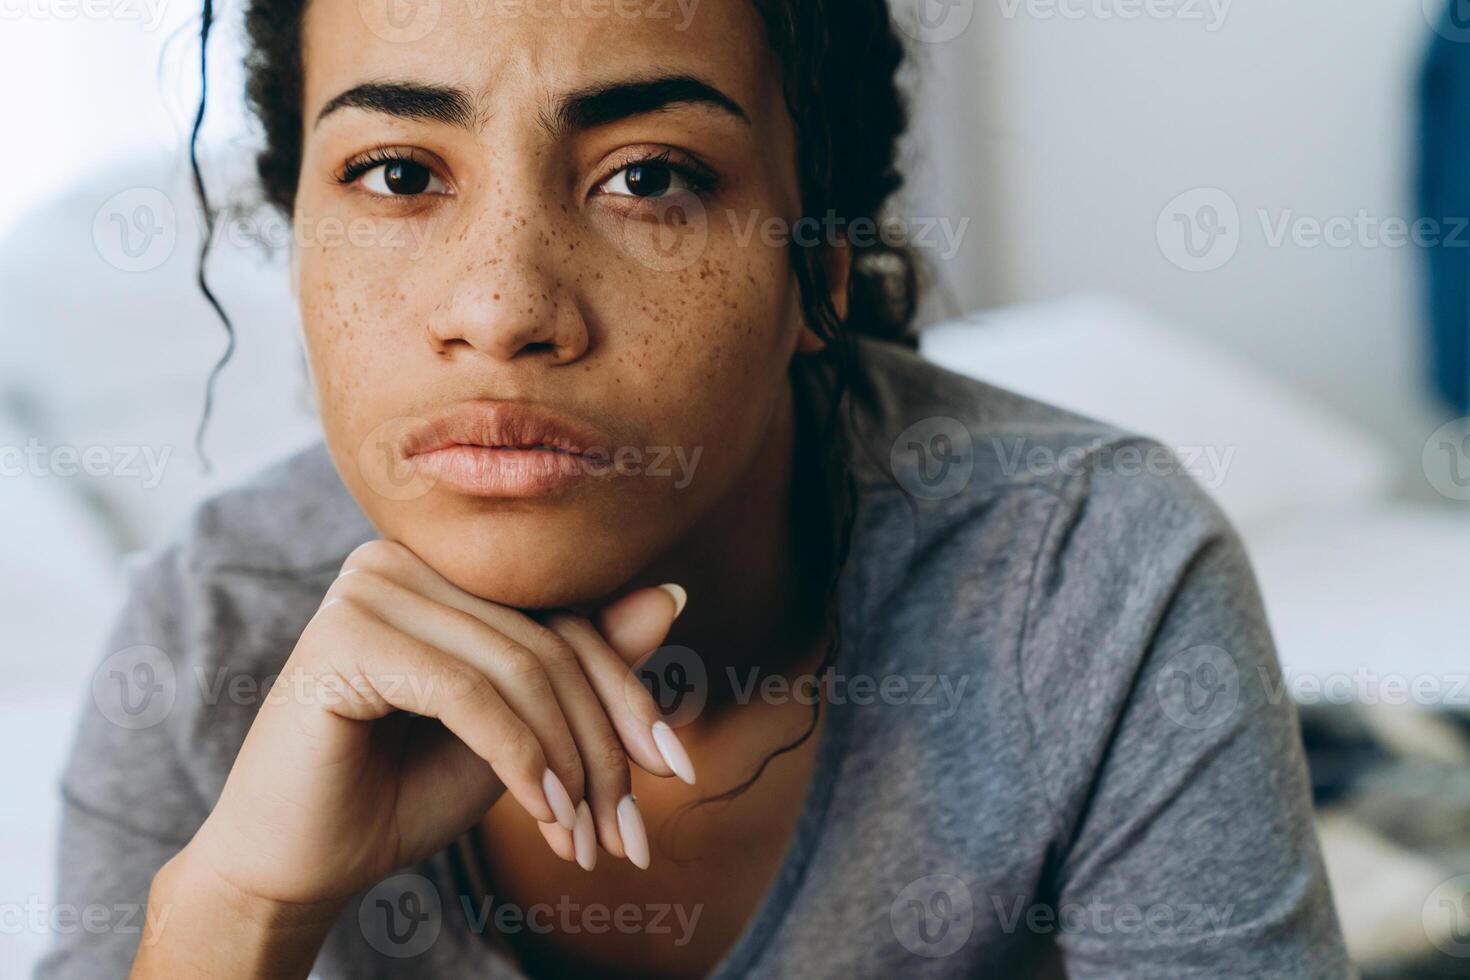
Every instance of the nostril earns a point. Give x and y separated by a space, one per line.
540 346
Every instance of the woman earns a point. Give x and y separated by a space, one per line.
951 683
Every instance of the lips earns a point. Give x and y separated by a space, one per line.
500 449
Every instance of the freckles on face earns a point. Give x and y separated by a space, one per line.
530 264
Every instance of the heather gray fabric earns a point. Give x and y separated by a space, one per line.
1060 732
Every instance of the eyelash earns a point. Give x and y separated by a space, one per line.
372 159
700 179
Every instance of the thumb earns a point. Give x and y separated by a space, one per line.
637 623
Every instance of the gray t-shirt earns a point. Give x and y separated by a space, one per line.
1058 734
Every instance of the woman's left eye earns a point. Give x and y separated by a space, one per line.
647 179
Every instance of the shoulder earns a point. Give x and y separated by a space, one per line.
294 517
1070 565
243 562
960 453
1053 549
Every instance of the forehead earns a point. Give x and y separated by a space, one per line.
514 52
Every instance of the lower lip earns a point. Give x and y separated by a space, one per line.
484 471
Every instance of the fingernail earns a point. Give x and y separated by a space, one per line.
584 839
673 752
679 596
559 800
630 826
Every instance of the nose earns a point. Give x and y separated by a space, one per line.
510 306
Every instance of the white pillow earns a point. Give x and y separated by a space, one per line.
1370 602
1263 451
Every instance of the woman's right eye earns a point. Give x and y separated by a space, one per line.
402 178
394 176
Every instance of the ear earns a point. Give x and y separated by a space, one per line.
838 262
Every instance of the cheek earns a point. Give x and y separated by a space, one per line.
707 340
354 299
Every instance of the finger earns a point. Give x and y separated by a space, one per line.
397 562
633 626
560 839
519 676
383 670
637 623
648 739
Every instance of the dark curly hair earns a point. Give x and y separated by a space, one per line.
840 61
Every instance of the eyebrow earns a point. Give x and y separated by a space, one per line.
580 110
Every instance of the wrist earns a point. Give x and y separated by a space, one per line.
200 923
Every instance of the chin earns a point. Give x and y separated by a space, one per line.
527 560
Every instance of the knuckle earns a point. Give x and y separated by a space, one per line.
572 774
519 744
339 610
463 686
608 758
358 583
378 554
558 656
520 664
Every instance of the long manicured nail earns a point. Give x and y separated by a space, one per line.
584 838
673 752
679 596
630 826
559 800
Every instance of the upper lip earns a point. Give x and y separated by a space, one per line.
499 425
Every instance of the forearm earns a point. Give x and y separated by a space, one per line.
200 926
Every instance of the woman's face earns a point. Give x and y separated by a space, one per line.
550 334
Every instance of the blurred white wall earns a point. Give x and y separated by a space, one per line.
93 85
1088 124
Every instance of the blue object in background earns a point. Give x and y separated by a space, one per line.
1444 198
